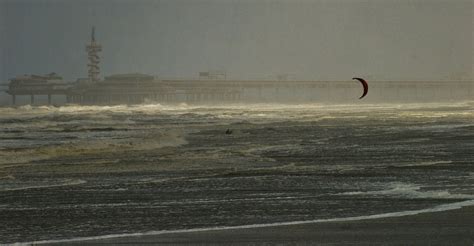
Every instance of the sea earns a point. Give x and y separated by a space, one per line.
73 173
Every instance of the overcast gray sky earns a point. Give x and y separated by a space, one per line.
321 39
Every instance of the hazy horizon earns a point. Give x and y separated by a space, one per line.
327 40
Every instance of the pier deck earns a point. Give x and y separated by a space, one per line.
120 91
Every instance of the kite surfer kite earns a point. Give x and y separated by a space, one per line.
365 85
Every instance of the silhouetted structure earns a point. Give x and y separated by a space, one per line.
212 87
31 85
92 50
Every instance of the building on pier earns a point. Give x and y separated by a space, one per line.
140 88
33 85
116 89
215 87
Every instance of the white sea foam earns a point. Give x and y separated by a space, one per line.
7 177
265 111
67 182
425 163
157 107
440 208
142 141
404 190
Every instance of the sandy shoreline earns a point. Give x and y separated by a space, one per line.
452 227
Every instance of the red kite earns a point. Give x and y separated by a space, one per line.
366 86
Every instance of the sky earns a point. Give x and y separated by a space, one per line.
260 39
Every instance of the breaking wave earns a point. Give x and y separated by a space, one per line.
404 190
335 150
68 182
412 109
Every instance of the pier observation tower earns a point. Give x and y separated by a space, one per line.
92 51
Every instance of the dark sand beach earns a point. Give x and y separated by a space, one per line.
453 227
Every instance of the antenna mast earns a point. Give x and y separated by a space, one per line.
92 51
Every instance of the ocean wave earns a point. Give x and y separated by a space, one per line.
268 107
144 141
424 163
404 190
439 208
5 207
68 182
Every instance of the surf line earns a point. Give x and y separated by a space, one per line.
439 208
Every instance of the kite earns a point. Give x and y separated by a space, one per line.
365 85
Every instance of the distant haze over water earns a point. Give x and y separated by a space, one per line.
322 40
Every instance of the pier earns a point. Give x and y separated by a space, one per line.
216 87
36 85
139 88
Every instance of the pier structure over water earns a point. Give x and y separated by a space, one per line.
141 88
216 87
36 85
137 88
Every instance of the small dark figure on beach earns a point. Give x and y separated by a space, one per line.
228 131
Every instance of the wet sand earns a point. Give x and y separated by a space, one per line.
453 227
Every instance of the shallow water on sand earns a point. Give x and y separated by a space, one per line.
82 171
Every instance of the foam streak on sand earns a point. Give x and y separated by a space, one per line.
440 208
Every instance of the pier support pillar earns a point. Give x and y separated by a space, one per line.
13 99
49 99
32 99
